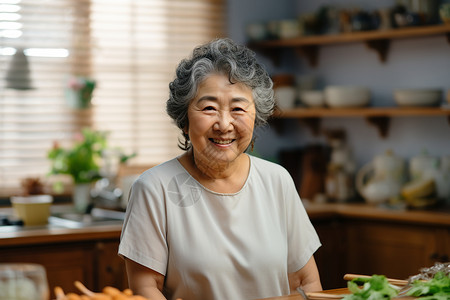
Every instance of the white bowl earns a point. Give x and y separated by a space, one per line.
312 98
285 97
347 96
418 97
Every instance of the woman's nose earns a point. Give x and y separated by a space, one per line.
225 122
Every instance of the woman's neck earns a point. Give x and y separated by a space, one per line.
227 177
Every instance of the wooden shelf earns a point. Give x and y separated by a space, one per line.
377 116
377 40
362 112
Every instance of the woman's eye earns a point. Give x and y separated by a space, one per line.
208 108
238 109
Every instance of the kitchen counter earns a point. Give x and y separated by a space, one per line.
399 242
370 212
55 232
22 235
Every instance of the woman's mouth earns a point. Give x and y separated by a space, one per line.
222 142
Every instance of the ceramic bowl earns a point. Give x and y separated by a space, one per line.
32 210
285 97
347 96
417 97
312 98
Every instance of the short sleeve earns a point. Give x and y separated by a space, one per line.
303 240
143 237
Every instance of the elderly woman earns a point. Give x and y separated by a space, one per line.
215 222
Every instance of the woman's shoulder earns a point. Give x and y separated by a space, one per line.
268 167
161 172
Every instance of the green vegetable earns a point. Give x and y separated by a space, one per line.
438 288
375 287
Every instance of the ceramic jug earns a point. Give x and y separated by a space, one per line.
381 179
439 171
421 164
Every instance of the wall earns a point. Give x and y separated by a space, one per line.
418 62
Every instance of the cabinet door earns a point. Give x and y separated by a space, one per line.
110 267
329 256
444 255
64 264
391 249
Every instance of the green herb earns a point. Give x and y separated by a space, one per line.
437 288
375 287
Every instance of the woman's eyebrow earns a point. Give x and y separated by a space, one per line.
213 98
241 99
206 98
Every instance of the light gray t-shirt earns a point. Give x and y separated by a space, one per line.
218 246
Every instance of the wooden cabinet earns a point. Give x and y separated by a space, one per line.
443 253
362 239
394 250
327 257
94 263
111 268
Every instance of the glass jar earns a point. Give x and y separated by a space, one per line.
23 281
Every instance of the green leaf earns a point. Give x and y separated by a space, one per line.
375 287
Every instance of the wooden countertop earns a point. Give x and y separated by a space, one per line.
436 217
49 234
11 236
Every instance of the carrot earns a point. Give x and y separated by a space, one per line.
59 293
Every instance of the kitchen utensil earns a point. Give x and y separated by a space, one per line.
347 96
381 179
322 295
23 281
301 292
33 209
397 282
417 97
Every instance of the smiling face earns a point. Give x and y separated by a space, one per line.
221 121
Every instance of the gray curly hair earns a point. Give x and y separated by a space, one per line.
219 56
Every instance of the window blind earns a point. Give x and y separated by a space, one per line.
130 48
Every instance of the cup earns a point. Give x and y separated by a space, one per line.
285 97
20 281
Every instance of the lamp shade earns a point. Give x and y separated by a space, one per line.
18 73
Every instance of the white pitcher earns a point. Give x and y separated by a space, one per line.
381 179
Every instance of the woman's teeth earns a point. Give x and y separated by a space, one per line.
221 142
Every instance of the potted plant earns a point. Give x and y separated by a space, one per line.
82 162
79 91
